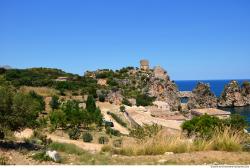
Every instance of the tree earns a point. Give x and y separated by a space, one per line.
25 110
74 115
93 113
6 101
17 110
54 103
90 104
57 119
38 98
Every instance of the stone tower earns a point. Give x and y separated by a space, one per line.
144 65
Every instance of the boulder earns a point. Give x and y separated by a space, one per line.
202 97
54 155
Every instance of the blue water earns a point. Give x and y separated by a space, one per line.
217 86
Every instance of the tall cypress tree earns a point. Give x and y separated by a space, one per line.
90 104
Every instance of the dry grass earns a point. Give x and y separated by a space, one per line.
43 91
226 140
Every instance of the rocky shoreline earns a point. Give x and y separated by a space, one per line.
233 95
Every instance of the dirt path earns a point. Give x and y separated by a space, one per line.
86 146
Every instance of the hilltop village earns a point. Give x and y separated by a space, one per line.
128 112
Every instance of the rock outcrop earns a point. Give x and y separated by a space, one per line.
235 96
245 90
202 97
114 97
164 90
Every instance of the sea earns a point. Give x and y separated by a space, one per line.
217 87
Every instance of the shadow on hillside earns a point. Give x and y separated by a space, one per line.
18 145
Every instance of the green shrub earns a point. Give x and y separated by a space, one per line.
103 140
144 100
236 122
67 148
122 108
118 119
87 137
101 98
74 133
126 102
145 131
202 126
111 131
54 103
41 156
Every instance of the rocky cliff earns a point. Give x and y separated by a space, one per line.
234 95
133 82
202 97
161 87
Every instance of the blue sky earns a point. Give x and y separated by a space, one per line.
191 39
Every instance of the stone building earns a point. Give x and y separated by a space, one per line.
144 65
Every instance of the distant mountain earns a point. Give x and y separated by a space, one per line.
6 67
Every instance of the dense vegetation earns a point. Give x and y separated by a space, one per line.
205 125
71 116
18 110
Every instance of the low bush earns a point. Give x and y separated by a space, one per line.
145 131
87 137
67 148
111 131
41 156
101 98
204 126
103 140
122 108
74 133
144 100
